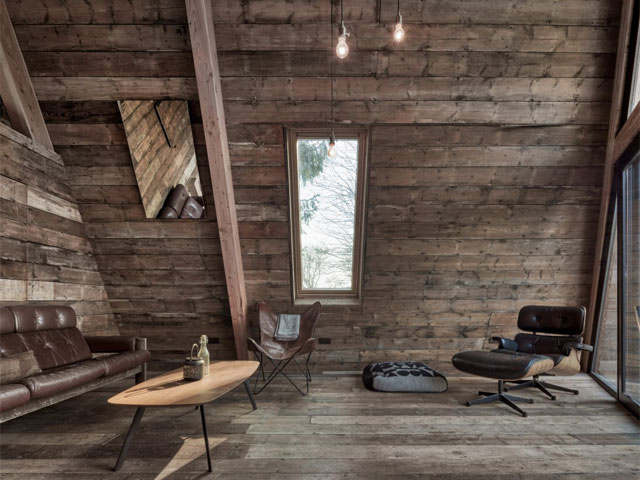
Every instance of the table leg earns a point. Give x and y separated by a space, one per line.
130 434
206 437
247 387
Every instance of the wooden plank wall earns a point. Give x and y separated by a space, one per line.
45 256
488 132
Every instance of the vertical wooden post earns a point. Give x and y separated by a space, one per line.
205 58
16 89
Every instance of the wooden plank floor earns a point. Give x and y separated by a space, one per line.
340 431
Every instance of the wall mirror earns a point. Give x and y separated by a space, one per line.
164 157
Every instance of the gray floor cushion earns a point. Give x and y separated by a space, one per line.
403 377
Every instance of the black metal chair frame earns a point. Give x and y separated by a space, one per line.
544 387
278 368
500 396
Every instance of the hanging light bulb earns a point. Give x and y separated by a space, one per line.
342 49
331 153
398 33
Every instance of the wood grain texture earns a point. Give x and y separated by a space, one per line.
489 128
16 89
170 389
45 256
340 430
205 58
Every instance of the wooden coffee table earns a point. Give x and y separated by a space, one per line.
171 390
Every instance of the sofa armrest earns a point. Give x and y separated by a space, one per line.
111 344
505 343
567 347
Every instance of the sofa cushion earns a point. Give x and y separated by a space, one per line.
123 361
11 344
18 366
63 378
7 323
13 395
29 318
55 348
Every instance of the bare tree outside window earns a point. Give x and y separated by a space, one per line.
327 193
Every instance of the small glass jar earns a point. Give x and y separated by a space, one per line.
193 368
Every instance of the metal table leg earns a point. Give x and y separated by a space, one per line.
130 434
206 437
247 387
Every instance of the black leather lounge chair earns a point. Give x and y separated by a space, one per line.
530 354
563 346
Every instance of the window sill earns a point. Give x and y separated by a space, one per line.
328 301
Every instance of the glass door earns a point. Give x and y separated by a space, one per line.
629 278
605 360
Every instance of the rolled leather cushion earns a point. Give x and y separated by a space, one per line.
7 323
191 209
177 198
60 379
123 361
13 395
403 377
501 366
168 212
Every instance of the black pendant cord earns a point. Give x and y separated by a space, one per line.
398 12
331 66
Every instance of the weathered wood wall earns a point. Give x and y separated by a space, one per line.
488 131
45 256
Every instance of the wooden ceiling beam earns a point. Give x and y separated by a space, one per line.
16 89
205 58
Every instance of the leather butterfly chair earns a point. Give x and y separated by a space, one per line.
281 353
563 346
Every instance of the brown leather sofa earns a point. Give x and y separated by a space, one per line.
71 363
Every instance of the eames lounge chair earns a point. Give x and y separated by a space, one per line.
563 345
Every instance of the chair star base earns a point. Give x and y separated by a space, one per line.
500 396
544 387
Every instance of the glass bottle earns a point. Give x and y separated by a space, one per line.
203 353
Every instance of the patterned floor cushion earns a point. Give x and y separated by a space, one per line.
403 377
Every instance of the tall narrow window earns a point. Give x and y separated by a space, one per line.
327 207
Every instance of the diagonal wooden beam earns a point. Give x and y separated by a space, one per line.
205 58
16 89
